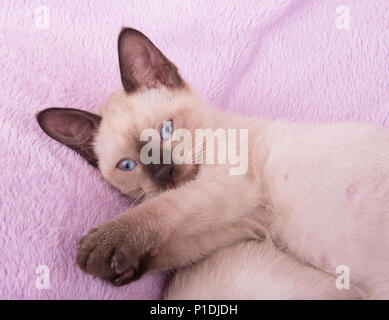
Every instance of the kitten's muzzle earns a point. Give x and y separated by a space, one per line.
163 174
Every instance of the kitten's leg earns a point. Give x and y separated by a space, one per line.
119 249
187 247
254 270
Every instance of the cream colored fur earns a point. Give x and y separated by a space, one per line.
321 192
254 270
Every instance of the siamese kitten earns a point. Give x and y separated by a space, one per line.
319 192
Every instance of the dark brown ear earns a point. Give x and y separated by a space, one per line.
72 127
142 65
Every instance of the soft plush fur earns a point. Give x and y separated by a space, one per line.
254 270
283 59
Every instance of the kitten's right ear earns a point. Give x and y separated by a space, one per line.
74 128
142 65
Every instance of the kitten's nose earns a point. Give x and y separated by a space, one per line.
162 173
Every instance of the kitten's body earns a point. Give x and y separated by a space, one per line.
323 202
319 191
329 199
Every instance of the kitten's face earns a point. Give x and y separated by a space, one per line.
118 143
154 96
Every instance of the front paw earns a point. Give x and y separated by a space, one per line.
116 251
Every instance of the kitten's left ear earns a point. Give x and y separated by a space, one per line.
142 65
74 128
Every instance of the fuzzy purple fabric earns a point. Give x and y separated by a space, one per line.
294 59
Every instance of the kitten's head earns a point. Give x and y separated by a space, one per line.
154 96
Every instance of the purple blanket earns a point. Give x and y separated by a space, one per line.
294 59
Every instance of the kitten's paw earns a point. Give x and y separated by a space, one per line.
116 252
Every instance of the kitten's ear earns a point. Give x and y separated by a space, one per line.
72 127
142 65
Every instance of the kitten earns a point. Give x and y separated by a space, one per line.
319 191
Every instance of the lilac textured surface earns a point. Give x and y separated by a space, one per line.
281 59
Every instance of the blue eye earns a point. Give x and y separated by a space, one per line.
166 130
127 164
